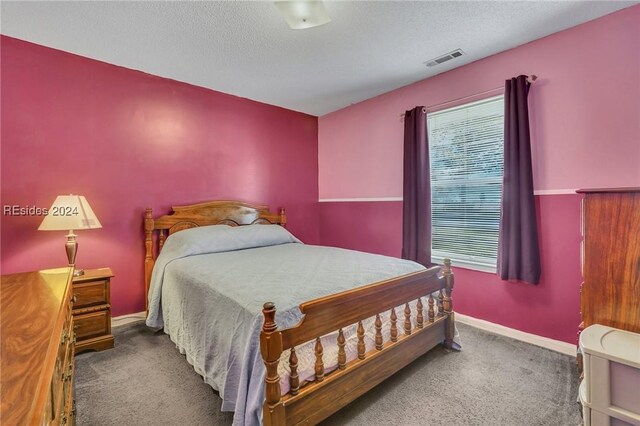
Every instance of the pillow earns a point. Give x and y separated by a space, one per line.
221 238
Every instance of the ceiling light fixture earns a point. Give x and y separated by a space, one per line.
301 14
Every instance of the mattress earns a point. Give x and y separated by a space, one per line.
209 301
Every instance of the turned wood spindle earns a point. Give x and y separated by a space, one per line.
407 319
431 312
342 355
440 303
163 236
319 362
361 347
283 218
394 327
294 380
269 312
149 226
378 333
447 303
449 329
271 349
419 318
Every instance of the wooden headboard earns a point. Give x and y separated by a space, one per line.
234 213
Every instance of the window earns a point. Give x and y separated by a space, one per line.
466 151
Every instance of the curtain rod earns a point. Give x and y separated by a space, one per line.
530 78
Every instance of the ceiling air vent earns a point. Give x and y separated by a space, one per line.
444 58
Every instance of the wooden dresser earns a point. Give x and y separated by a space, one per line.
610 293
37 346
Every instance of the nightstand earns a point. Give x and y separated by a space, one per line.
92 310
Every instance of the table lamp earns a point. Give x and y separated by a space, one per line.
69 213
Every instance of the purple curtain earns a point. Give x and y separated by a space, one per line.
518 251
416 209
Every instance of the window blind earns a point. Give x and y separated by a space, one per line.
466 152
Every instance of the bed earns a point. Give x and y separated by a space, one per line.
357 319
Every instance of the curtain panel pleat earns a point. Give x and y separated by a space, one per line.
518 248
416 209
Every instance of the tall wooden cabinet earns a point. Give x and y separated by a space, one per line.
610 293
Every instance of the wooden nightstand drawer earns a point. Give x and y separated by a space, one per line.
90 294
92 324
92 310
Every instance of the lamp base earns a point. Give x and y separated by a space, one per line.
78 272
71 247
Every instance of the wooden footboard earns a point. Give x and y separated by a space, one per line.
329 392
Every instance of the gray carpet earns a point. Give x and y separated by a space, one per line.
494 381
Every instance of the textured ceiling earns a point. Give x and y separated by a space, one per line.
246 48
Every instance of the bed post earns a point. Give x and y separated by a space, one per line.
283 218
271 350
449 330
148 254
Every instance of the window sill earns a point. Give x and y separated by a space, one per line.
466 265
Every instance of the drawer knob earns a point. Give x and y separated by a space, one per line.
74 299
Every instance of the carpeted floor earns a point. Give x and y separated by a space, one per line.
494 381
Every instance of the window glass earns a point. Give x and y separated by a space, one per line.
466 153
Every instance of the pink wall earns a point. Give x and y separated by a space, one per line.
549 309
584 109
374 227
585 129
128 140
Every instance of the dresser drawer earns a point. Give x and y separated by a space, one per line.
92 324
63 373
60 388
67 393
63 348
90 293
69 416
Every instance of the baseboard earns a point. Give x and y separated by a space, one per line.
127 319
545 342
